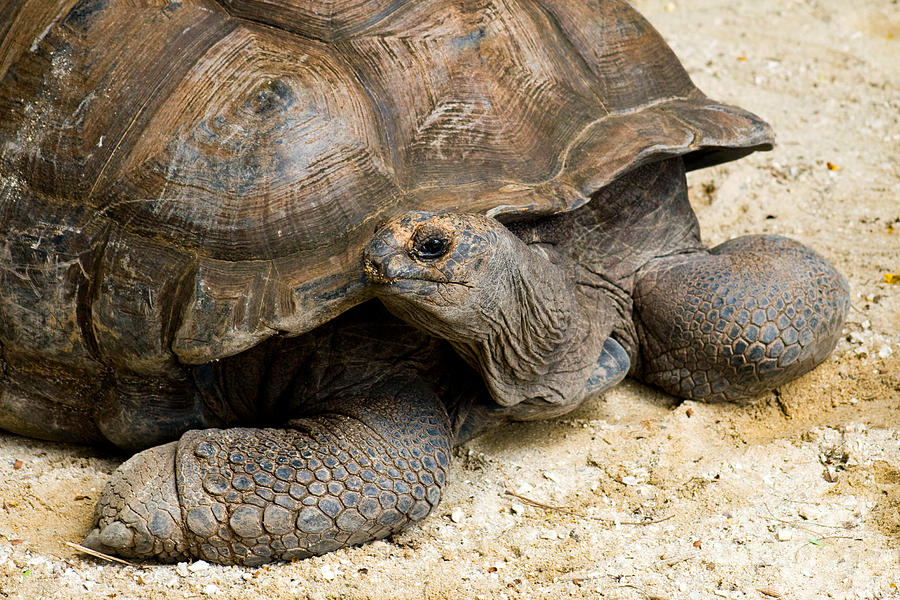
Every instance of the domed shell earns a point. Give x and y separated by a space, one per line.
180 180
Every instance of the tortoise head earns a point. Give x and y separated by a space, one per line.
510 309
433 269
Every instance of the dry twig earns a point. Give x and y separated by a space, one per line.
97 554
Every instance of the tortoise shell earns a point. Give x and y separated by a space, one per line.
181 180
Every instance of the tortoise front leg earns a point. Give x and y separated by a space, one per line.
365 470
752 314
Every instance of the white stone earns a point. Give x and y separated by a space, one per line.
329 573
457 515
182 569
784 535
196 567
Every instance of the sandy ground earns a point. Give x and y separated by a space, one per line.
796 495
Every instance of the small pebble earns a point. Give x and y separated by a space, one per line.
211 589
810 513
196 567
785 535
857 337
517 509
329 572
182 569
457 515
885 351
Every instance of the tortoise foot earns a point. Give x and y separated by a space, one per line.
138 514
250 496
752 314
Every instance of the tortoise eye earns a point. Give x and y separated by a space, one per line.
429 243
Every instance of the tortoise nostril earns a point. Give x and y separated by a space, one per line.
384 269
394 266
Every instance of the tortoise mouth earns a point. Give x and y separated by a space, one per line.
406 278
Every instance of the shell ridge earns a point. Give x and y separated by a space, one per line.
566 151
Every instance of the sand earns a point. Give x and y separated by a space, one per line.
636 495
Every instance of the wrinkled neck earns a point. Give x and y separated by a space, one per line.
534 342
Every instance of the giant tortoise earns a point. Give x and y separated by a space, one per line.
296 250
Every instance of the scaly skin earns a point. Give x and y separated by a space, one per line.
750 315
250 496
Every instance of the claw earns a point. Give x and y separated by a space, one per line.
138 514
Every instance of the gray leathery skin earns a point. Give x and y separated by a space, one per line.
510 309
725 323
